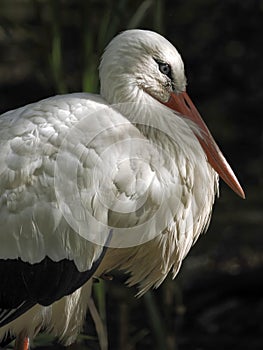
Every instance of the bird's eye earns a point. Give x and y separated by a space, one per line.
165 68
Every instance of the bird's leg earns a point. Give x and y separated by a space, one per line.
22 342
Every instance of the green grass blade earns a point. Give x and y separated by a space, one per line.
155 320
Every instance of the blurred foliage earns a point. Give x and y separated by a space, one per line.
52 46
68 37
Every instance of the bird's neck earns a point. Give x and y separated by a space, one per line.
158 123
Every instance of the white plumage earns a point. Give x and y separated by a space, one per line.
123 169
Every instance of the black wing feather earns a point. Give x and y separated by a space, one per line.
23 285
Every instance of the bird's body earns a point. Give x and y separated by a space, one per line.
95 182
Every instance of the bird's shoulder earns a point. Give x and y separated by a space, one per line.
32 225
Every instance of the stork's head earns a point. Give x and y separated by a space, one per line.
139 61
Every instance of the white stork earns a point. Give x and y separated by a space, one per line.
125 179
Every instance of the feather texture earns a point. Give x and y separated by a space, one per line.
77 168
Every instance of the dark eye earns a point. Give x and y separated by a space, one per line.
165 68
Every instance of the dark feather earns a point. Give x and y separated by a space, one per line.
24 285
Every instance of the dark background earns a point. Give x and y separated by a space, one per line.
216 302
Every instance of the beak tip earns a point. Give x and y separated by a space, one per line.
242 194
237 189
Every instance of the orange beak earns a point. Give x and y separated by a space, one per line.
182 103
